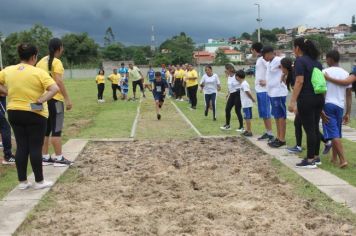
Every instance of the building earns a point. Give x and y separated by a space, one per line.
233 55
203 57
213 45
346 47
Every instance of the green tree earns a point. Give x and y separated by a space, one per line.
160 59
79 49
323 43
246 36
221 58
114 52
139 57
109 37
267 36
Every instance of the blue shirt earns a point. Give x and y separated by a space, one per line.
159 86
163 73
123 70
125 83
151 75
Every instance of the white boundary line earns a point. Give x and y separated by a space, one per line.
134 125
187 120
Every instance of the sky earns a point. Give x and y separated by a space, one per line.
132 20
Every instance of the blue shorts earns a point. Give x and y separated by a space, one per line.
264 105
125 91
279 109
159 96
333 128
247 113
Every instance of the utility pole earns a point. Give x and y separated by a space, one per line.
1 65
259 20
153 39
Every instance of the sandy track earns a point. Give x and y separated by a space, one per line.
195 187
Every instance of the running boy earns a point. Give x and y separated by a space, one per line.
246 101
159 91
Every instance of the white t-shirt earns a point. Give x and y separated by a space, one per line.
260 74
134 73
232 84
210 83
245 100
275 86
335 94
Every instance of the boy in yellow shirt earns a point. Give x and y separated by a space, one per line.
115 79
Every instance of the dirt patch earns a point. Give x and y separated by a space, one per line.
194 187
74 129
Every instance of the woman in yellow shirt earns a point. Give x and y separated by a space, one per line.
100 81
192 86
29 88
115 78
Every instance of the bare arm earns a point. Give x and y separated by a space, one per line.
3 90
51 91
348 81
248 93
346 118
62 89
299 80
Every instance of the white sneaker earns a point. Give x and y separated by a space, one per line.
182 100
177 99
43 184
24 186
240 130
102 100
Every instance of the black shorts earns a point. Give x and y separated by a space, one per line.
135 83
55 119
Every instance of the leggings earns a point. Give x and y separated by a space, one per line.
101 88
309 108
29 129
210 98
192 92
299 131
234 101
5 130
114 87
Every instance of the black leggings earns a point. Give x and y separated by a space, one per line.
299 131
29 129
210 98
234 101
192 94
101 88
309 109
114 87
178 88
134 85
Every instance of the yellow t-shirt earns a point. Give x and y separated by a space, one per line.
100 79
179 74
25 84
192 74
114 78
57 67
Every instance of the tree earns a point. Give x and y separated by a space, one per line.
221 58
139 57
353 24
267 36
323 43
79 48
114 52
246 36
109 37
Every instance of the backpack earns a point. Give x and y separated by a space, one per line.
318 81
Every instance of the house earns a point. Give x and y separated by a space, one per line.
213 45
346 47
233 55
203 57
342 28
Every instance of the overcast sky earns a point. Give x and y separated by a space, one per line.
131 20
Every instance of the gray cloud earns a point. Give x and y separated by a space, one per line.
131 20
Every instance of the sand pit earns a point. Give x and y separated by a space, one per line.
195 187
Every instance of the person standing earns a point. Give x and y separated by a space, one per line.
123 70
309 103
210 84
115 80
136 77
277 91
233 98
263 100
151 75
53 65
29 88
192 86
5 131
100 82
178 83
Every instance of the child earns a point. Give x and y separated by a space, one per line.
100 81
124 84
159 91
115 84
246 101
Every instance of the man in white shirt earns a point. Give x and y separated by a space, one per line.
137 79
263 100
334 107
277 91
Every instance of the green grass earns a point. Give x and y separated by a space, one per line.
352 123
87 119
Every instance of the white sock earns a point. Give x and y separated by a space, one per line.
59 157
269 132
46 156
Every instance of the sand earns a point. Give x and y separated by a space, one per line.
194 187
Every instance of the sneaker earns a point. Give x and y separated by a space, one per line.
327 148
43 184
158 116
177 99
62 163
160 106
265 136
317 161
206 113
1 145
9 160
272 139
276 144
306 164
240 129
47 161
23 186
247 134
295 149
225 127
214 119
181 100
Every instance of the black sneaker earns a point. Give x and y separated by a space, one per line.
272 139
225 127
317 161
206 113
214 119
276 144
265 136
247 134
47 161
327 147
62 163
158 116
306 164
10 160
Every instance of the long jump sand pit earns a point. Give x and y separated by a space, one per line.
194 187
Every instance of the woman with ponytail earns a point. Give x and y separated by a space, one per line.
308 104
53 65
